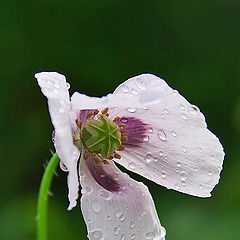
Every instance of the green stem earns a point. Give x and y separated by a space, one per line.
43 198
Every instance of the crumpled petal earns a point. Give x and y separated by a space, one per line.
177 150
124 211
54 87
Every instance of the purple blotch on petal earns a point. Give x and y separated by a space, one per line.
135 131
82 115
102 177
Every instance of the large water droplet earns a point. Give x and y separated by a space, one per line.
178 164
63 166
124 120
87 190
150 130
131 110
148 157
132 165
162 232
68 85
161 134
96 206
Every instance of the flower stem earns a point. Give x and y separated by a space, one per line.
43 198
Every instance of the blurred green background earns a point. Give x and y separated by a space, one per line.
193 45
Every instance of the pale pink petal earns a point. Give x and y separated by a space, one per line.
173 148
114 206
54 87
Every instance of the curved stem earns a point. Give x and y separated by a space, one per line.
43 198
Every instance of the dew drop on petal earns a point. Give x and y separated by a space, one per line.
166 111
182 107
210 173
68 85
163 174
148 157
140 84
174 134
89 220
183 176
124 120
145 108
183 183
200 149
131 110
104 194
176 186
96 206
132 225
123 237
63 166
161 153
146 138
116 230
184 116
178 164
121 216
96 235
132 165
201 186
184 149
162 232
108 217
134 92
195 169
150 130
149 236
125 88
162 135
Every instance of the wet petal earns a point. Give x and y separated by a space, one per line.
55 88
176 148
116 206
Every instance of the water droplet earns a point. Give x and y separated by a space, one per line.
200 149
87 190
108 217
124 120
201 186
184 149
82 173
148 157
133 236
68 85
104 194
122 237
96 206
149 236
121 216
184 116
89 220
178 164
166 111
194 109
174 134
150 130
132 165
145 108
131 110
132 225
182 107
134 92
210 172
161 153
176 186
63 167
125 88
161 134
183 176
177 170
183 183
195 169
140 83
163 174
116 230
96 235
146 138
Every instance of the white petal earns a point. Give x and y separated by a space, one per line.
178 151
54 87
128 213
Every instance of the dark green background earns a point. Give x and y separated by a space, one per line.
193 45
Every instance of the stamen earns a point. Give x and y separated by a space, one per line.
88 115
122 125
116 155
80 134
105 110
79 124
122 130
110 158
85 150
96 160
105 161
95 112
85 156
124 138
107 114
116 119
121 148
